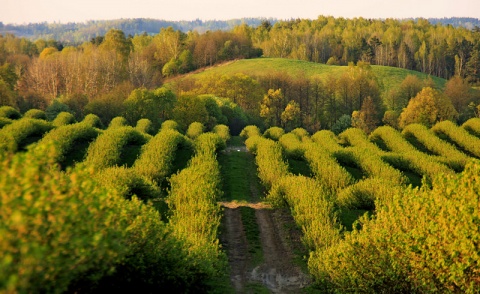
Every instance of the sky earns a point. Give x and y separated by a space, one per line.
31 11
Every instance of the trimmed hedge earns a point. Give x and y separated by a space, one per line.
35 113
118 122
15 135
63 119
144 125
194 130
458 135
274 133
10 112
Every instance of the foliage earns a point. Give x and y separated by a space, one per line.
157 156
419 241
194 130
93 120
106 150
274 133
343 123
223 131
63 119
250 131
170 125
118 122
427 108
35 113
55 108
9 112
472 126
15 135
4 121
458 135
144 125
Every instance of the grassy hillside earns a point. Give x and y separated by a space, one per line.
388 76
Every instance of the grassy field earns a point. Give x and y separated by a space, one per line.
387 76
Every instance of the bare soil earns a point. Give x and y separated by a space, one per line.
278 272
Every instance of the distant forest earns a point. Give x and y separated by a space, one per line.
75 33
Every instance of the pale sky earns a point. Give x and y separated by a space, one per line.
29 11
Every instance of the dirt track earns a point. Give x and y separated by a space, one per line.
278 272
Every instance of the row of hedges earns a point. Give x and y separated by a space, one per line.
194 212
64 232
14 136
458 135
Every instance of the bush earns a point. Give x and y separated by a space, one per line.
223 131
209 141
473 126
420 241
300 133
118 122
170 124
9 112
274 133
458 135
194 130
75 235
250 131
93 121
63 139
144 125
4 121
269 160
63 119
327 140
15 135
157 156
35 113
106 150
292 145
55 108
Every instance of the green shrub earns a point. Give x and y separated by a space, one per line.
93 120
65 232
118 122
194 130
107 149
357 137
223 131
63 139
195 214
326 168
144 125
292 145
4 121
300 133
15 135
207 142
327 140
170 124
458 135
454 158
274 133
9 112
420 241
55 108
250 131
269 160
473 126
63 119
35 113
157 156
312 208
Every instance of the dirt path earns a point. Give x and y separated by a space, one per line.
278 272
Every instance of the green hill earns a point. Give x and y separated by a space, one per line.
389 77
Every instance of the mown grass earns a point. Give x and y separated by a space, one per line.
388 77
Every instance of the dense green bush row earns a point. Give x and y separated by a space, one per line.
454 158
327 140
371 164
106 150
473 126
5 121
64 232
194 130
420 241
312 208
326 168
63 119
15 135
358 138
269 159
274 133
250 131
93 121
292 145
408 158
118 122
223 131
145 125
9 112
157 156
458 135
170 124
194 212
64 139
35 113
